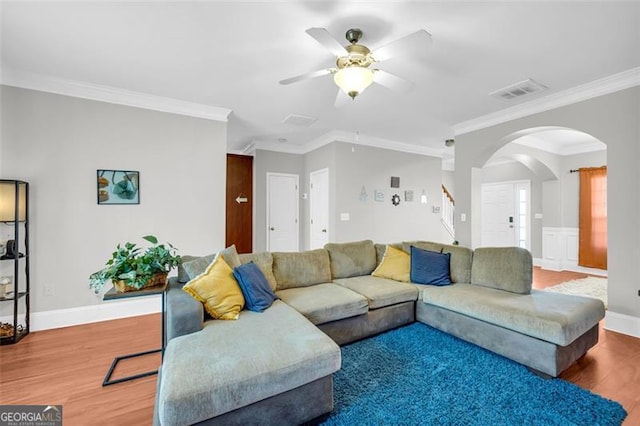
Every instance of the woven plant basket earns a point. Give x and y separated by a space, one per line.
6 329
159 278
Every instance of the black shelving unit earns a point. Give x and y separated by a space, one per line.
14 214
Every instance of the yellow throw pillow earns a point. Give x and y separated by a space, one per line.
395 265
218 289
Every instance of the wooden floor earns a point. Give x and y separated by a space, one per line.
66 366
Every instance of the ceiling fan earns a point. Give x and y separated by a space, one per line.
353 72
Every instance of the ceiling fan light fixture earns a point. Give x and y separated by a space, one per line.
353 80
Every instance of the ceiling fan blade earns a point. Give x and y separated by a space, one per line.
406 44
392 81
307 76
322 36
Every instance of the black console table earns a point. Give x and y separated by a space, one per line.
112 294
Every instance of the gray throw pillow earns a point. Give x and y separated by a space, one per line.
197 266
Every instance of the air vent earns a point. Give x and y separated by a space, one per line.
299 120
519 89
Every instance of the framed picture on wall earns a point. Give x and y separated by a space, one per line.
118 187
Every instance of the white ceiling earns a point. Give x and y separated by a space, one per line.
232 55
562 142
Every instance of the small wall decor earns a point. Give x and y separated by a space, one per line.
395 182
118 187
378 195
423 197
363 195
395 199
408 195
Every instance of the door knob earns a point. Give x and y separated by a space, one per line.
324 230
272 228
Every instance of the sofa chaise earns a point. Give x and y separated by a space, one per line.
276 367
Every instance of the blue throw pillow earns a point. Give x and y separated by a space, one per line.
430 267
257 293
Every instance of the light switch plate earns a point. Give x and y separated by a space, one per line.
345 216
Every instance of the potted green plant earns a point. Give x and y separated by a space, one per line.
133 268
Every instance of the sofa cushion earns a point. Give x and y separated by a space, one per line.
395 265
257 293
420 288
381 248
326 302
272 352
301 269
351 259
552 317
183 276
198 265
380 292
218 289
430 267
504 268
264 260
461 258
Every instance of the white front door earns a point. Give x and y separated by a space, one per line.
505 214
497 215
319 208
282 212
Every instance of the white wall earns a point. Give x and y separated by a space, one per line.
350 167
57 143
612 119
382 221
449 182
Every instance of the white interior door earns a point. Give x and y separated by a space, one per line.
282 212
505 214
319 208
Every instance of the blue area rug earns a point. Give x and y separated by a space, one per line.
417 375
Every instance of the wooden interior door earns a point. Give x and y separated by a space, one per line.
239 213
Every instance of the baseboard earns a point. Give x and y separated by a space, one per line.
590 271
621 323
554 265
111 310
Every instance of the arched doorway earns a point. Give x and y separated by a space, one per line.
543 217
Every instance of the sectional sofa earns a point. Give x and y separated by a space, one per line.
276 367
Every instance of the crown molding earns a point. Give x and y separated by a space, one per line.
603 86
113 95
346 137
263 145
